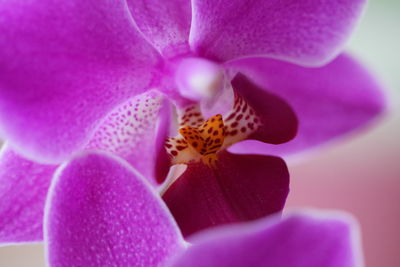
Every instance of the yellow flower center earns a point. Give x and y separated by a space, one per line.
200 140
206 139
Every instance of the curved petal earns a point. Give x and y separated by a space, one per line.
240 188
23 190
101 213
279 121
135 130
162 159
298 240
329 102
308 32
63 66
165 24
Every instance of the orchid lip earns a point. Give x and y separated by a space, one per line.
201 140
207 139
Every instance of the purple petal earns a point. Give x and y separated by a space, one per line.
164 24
279 122
329 102
162 161
101 213
308 32
136 131
63 66
296 241
23 190
240 188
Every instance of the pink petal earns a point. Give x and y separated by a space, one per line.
164 24
298 240
162 160
279 121
330 101
63 66
23 190
308 32
241 188
101 213
136 131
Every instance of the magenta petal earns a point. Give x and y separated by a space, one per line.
136 131
279 121
162 160
329 102
299 240
101 213
241 188
23 190
307 32
63 66
164 24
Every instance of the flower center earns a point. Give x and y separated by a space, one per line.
202 140
198 78
206 139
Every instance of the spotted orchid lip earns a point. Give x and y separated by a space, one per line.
201 139
206 139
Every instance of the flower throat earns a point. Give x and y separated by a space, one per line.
201 140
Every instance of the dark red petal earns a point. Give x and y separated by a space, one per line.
331 102
241 188
279 120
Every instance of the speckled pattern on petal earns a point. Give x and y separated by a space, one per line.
331 101
130 131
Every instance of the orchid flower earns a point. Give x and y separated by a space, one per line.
101 212
103 75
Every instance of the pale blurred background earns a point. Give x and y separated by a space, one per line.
359 174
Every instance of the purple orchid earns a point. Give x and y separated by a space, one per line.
90 75
136 229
